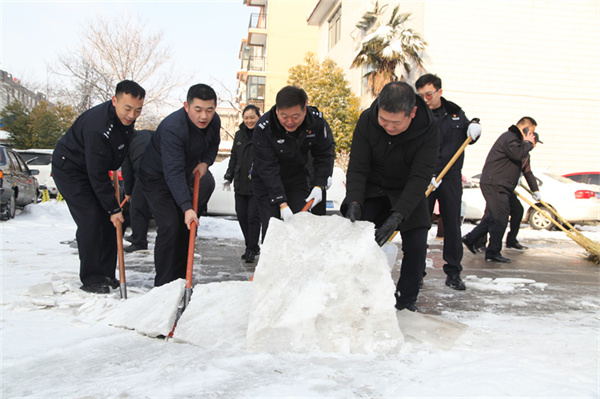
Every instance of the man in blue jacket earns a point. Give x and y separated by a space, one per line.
97 142
185 142
454 128
283 138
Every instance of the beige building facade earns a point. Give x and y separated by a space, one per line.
278 39
499 60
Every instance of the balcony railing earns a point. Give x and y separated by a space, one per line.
253 64
258 21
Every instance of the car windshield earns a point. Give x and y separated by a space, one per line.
36 159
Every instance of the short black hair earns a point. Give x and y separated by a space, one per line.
526 120
429 78
397 97
290 96
130 87
201 92
252 107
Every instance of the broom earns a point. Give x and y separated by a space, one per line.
590 246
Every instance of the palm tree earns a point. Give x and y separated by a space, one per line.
387 47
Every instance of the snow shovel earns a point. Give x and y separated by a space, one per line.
590 246
439 177
191 245
121 254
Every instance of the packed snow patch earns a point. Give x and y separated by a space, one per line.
502 284
322 284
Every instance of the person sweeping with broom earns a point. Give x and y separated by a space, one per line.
454 127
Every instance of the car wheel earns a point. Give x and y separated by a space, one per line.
10 208
540 222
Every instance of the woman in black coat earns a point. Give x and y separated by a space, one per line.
240 172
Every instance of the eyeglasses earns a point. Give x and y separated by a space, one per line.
428 95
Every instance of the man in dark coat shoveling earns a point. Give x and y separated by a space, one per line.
393 154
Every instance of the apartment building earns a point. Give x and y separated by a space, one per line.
499 60
278 39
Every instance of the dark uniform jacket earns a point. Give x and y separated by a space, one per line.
175 149
131 163
240 163
504 162
398 167
280 157
528 174
95 144
453 133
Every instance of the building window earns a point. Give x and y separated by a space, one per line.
335 27
255 89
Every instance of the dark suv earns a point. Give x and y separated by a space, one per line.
18 185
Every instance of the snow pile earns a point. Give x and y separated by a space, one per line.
217 315
152 314
323 284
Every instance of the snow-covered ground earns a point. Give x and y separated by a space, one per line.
56 340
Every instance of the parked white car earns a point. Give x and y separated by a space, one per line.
575 202
223 202
42 161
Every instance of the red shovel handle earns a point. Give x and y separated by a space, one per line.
193 227
308 205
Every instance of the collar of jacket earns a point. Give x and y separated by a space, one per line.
516 131
114 119
420 123
450 107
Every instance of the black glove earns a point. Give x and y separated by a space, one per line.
353 213
383 234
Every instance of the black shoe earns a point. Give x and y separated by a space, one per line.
250 257
245 255
96 288
134 247
469 245
516 245
497 258
128 238
112 282
454 282
406 305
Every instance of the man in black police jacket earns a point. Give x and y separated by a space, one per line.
185 141
454 128
500 176
283 137
393 153
97 142
139 212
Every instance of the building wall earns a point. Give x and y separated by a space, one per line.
501 60
11 90
289 38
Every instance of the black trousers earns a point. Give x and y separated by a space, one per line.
449 195
516 216
495 219
414 249
139 212
172 239
96 236
296 196
249 220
